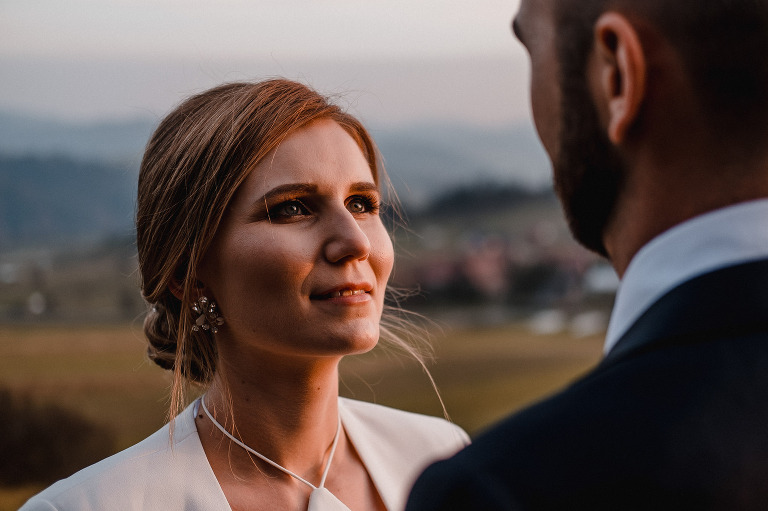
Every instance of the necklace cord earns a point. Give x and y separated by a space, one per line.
274 464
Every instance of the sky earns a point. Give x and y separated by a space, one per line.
392 62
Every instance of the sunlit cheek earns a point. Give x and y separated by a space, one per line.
385 256
382 260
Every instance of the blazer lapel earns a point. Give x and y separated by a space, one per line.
377 455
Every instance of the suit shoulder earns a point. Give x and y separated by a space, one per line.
571 424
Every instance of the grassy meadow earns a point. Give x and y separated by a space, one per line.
102 373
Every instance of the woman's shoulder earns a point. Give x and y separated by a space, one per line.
418 427
132 478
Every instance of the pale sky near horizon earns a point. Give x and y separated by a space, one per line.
398 61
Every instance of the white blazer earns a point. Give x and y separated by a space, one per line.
395 446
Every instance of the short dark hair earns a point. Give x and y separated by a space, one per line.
723 44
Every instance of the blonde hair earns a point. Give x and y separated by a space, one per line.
194 162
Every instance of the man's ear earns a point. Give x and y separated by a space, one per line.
621 67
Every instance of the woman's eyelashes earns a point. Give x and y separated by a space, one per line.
295 209
281 210
360 204
289 209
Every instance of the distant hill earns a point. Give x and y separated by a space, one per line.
431 159
56 200
111 141
423 159
481 199
63 181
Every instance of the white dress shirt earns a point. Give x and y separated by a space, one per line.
714 240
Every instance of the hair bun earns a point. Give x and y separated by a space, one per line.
161 330
161 335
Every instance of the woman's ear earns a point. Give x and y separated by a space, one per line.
621 71
176 284
176 288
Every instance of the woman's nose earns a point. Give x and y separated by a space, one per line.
346 239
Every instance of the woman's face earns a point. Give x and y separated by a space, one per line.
301 260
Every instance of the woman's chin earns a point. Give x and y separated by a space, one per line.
365 347
357 343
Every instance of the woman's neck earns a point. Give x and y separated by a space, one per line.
288 413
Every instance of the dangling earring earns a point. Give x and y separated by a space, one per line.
208 318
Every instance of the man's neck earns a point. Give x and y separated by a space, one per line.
721 238
658 197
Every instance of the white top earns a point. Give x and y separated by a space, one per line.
395 446
714 240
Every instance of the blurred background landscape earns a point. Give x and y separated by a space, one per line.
474 236
515 308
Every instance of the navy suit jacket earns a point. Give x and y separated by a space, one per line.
675 417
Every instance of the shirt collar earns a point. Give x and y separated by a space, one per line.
714 240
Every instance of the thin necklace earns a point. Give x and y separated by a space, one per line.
320 499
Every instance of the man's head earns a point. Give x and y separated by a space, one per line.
719 46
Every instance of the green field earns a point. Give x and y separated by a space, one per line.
101 372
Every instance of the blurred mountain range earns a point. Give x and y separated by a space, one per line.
484 241
63 182
57 200
104 141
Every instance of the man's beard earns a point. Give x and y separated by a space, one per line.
588 171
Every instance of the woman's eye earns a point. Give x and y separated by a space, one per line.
356 206
362 205
290 209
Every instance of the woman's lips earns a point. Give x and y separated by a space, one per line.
346 294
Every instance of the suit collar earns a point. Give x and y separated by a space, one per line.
717 239
728 301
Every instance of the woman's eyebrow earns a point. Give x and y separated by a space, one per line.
304 188
288 189
364 186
